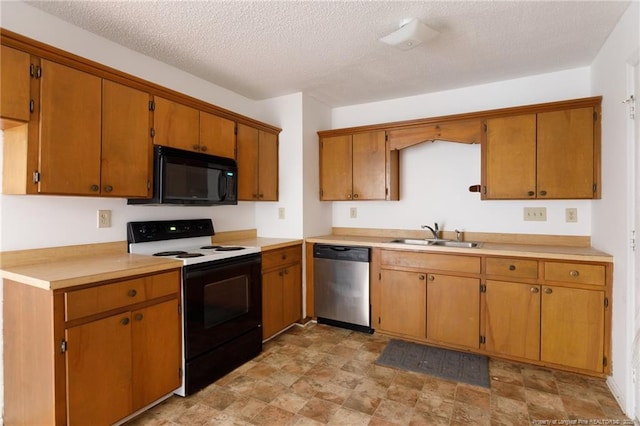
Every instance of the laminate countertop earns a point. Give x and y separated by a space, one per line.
58 270
585 254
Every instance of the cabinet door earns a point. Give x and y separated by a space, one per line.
70 131
292 294
512 319
157 352
126 144
403 303
267 166
572 327
336 180
217 135
272 315
566 154
369 166
247 144
14 81
510 157
99 371
175 125
453 310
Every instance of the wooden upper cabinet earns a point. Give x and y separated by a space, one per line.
357 167
510 152
70 131
544 155
336 181
176 125
14 86
257 156
126 143
217 135
566 154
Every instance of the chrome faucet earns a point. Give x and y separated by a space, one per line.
433 230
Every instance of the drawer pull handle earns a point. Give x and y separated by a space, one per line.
548 290
139 317
574 274
124 321
421 277
284 257
534 289
512 267
132 293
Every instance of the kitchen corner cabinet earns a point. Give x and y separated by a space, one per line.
87 136
257 156
175 125
281 289
544 155
15 82
92 355
358 167
217 135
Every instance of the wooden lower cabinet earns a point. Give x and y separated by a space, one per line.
403 303
572 327
281 289
98 367
512 319
453 310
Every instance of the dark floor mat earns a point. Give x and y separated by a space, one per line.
443 363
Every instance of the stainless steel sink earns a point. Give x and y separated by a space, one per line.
438 242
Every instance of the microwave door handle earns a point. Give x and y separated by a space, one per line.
222 187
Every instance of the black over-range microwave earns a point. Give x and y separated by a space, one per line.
191 178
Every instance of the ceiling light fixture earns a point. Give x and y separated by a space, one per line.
410 35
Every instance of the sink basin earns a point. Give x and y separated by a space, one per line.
433 242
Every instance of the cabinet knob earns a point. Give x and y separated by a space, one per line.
139 317
534 289
548 290
95 188
255 196
260 195
531 193
284 257
132 292
196 147
574 274
543 193
203 148
124 321
281 273
421 277
108 188
349 196
355 195
431 277
512 267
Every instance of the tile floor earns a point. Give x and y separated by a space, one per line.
321 375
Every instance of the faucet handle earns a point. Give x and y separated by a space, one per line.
458 235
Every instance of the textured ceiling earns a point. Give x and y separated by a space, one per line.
330 49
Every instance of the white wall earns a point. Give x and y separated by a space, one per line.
610 224
435 177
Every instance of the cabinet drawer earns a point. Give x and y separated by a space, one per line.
102 298
519 268
574 273
429 261
285 256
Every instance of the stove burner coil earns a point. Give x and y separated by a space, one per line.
210 247
186 255
233 248
170 253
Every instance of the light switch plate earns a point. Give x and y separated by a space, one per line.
280 212
353 212
535 214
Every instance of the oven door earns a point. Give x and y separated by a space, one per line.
223 301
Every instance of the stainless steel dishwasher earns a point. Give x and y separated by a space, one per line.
341 286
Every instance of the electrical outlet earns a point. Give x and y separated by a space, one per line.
571 214
353 212
535 213
281 213
104 218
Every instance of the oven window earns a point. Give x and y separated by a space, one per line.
225 300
